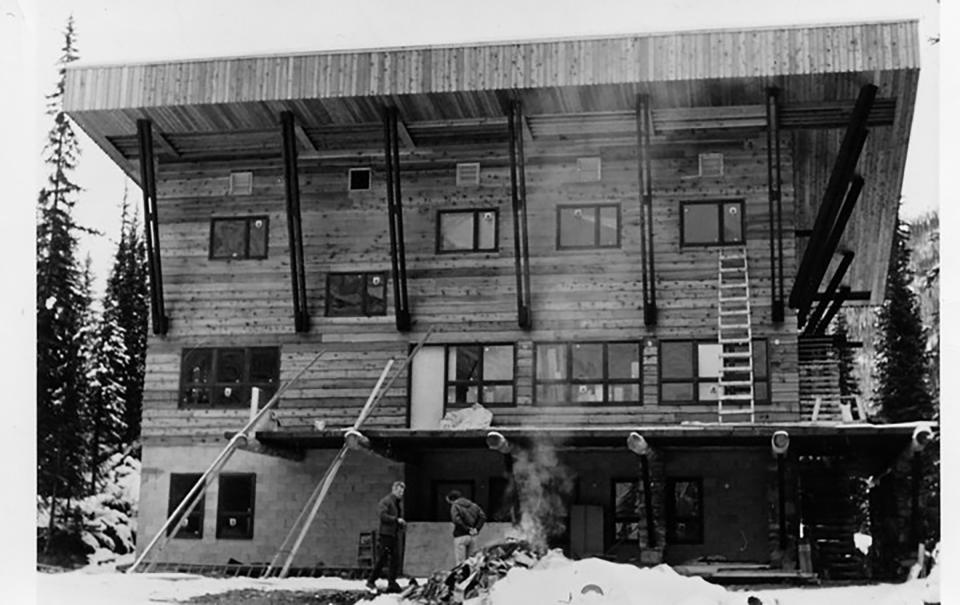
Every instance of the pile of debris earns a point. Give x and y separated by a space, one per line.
477 575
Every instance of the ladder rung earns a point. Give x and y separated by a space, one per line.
735 383
737 398
724 299
724 326
737 411
736 355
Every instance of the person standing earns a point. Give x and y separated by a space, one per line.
468 519
390 511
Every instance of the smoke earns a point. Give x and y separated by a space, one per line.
543 487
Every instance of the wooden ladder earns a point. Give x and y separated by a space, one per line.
735 335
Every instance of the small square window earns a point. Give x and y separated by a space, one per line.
359 179
711 164
588 170
588 226
235 504
467 230
356 294
191 526
241 183
711 223
468 174
238 238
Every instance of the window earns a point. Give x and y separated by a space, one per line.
222 377
479 374
241 183
190 527
467 230
588 169
711 164
356 294
601 372
626 510
690 371
588 226
468 174
238 238
441 508
711 223
358 179
235 506
684 510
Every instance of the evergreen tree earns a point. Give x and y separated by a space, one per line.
62 306
126 298
902 392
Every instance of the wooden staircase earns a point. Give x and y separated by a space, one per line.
735 335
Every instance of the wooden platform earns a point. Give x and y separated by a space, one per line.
745 573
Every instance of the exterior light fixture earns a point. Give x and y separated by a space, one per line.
355 440
497 442
780 442
921 437
637 444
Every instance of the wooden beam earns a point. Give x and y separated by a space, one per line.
527 131
828 294
304 138
821 329
287 453
775 206
291 178
845 164
518 195
165 145
854 295
398 262
151 224
404 135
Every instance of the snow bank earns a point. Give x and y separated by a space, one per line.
473 417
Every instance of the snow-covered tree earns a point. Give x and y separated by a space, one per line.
62 306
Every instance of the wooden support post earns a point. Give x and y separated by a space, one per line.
845 164
151 223
648 500
398 261
782 499
301 317
916 476
518 190
832 311
775 206
828 294
644 167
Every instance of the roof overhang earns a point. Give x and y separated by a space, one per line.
707 86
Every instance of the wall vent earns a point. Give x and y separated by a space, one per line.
468 174
711 164
358 179
588 170
241 183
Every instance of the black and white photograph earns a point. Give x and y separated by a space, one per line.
435 302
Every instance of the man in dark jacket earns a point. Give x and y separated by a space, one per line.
390 510
468 519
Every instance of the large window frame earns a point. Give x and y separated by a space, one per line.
478 215
481 382
577 389
597 210
369 304
761 373
191 526
249 225
235 520
684 527
626 521
722 238
209 378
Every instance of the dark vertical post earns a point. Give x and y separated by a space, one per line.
648 501
915 477
151 225
775 207
782 500
518 192
395 216
291 177
644 127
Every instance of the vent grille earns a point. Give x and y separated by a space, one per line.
588 170
468 174
358 179
711 164
241 183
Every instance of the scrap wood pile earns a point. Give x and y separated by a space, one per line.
476 575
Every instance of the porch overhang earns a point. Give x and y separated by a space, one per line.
805 437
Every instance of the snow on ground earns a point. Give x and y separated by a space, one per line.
555 580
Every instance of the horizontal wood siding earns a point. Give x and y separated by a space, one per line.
591 295
638 58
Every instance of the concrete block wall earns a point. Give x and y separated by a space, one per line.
282 489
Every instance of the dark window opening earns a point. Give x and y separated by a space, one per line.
191 526
467 230
359 179
627 494
583 373
684 510
223 377
356 294
588 226
235 504
481 374
239 238
717 223
690 371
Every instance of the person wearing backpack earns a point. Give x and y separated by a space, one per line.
468 519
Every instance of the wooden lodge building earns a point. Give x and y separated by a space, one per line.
634 234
